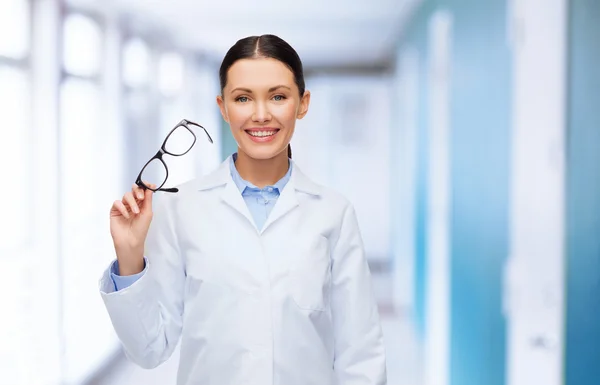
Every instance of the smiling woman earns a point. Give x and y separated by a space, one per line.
269 266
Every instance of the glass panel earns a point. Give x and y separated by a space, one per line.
82 49
15 22
79 125
15 157
87 246
170 74
136 63
14 346
142 140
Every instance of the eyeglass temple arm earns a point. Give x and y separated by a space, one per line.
169 190
196 124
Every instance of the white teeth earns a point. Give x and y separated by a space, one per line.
262 133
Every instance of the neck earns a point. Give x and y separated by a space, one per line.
262 172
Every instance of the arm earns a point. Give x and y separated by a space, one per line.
359 350
147 316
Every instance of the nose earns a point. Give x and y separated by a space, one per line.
261 113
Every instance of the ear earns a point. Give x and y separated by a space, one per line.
221 104
304 102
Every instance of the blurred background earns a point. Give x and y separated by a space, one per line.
465 132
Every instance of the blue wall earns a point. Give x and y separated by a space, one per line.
480 131
228 143
582 359
480 126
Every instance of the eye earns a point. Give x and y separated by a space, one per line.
242 99
278 98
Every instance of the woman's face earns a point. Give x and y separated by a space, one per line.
261 103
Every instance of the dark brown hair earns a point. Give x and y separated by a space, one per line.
264 46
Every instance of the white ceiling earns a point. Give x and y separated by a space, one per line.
325 33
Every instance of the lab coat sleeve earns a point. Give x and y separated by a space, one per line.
147 316
359 350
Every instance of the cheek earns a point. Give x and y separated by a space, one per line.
285 113
238 115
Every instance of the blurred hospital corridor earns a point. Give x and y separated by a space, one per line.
465 133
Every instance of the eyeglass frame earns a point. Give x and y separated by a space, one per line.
163 150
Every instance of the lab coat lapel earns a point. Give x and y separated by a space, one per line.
285 203
232 196
288 200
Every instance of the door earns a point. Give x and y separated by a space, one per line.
438 221
534 270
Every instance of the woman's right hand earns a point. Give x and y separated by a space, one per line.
130 220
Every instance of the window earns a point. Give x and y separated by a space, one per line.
170 74
87 188
173 108
140 105
15 22
82 46
136 63
15 120
15 111
79 150
16 158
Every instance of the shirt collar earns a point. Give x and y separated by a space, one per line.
244 185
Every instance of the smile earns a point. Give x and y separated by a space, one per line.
262 136
262 133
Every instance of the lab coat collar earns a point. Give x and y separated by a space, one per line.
222 176
231 195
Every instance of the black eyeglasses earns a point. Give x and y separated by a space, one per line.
177 143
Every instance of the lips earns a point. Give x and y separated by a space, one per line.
262 134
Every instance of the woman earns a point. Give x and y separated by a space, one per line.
258 270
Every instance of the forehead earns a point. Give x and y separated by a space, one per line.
259 73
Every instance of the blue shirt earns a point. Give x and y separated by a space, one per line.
260 202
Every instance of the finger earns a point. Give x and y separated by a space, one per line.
120 207
130 200
151 185
138 191
147 206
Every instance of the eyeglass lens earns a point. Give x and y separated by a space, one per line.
179 141
155 173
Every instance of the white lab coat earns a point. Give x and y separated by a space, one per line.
291 304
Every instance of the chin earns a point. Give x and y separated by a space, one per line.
262 152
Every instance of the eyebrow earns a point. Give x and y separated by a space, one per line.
250 91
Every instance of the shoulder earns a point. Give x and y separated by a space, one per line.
337 212
339 206
190 190
335 198
215 178
330 200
